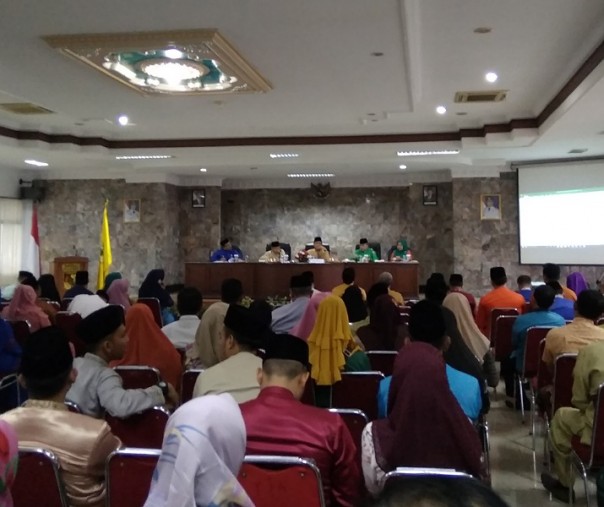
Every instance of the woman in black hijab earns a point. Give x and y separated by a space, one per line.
153 287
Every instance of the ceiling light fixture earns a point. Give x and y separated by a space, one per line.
311 175
36 163
426 153
491 77
173 54
284 155
143 157
203 170
576 151
483 30
123 120
402 166
441 109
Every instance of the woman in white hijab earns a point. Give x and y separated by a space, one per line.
477 342
204 446
85 304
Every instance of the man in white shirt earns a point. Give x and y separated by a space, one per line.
182 332
243 333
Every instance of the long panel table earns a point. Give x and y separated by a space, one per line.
261 280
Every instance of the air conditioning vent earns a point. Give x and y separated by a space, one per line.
488 96
24 108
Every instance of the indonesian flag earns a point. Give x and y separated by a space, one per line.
33 245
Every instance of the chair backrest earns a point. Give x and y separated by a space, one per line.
21 330
501 340
597 436
382 360
187 384
153 304
377 248
308 246
12 394
145 429
38 480
55 304
68 322
308 396
138 377
402 474
73 407
532 357
282 480
65 302
286 247
544 377
358 390
563 380
495 313
355 421
128 474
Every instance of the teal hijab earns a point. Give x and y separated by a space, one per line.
110 278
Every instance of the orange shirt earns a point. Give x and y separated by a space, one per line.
501 297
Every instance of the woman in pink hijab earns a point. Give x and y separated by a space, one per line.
118 293
23 307
304 327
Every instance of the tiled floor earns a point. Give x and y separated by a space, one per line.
515 468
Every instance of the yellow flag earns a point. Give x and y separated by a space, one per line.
105 258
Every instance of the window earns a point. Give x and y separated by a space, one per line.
11 239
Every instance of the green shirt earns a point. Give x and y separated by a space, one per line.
359 254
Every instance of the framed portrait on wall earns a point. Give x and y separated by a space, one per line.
490 206
198 198
132 211
430 195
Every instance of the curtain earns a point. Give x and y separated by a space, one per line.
11 239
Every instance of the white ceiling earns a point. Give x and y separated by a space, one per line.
317 55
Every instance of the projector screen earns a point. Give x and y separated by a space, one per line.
561 213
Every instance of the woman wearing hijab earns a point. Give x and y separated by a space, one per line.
23 307
118 293
385 331
149 346
204 446
110 278
355 307
153 287
48 288
478 343
10 351
576 282
426 426
305 326
9 458
400 251
374 292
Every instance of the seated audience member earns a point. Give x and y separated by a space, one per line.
103 295
580 332
48 288
8 462
226 252
9 290
202 452
575 421
310 280
153 287
542 316
525 287
98 388
426 426
80 287
287 316
562 306
275 254
348 276
23 307
117 293
365 252
148 346
332 347
278 423
81 443
212 321
400 251
576 282
110 278
318 251
10 350
243 333
551 273
456 285
182 332
375 291
50 310
386 278
385 331
438 491
304 327
84 305
477 342
355 307
499 297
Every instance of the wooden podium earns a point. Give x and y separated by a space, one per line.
65 269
